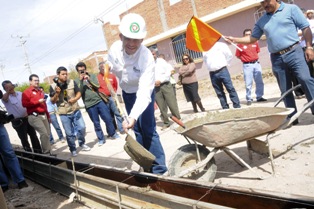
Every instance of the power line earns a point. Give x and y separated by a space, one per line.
84 27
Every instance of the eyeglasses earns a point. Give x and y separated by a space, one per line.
36 80
185 58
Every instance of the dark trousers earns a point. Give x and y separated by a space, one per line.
145 131
22 127
222 77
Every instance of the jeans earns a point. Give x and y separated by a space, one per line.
10 160
288 64
145 132
23 128
71 122
222 77
55 124
253 71
113 108
102 110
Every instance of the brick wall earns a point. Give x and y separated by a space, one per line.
176 15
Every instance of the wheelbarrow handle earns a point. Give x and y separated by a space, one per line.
179 122
286 93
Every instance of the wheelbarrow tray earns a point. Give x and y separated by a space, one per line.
225 127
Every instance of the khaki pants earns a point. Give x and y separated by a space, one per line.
3 204
41 125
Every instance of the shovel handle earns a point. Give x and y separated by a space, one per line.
177 121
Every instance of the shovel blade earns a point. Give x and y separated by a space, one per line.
138 153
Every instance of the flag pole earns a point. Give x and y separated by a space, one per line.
232 43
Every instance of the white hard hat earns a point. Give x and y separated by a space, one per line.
133 26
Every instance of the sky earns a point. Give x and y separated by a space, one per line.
52 33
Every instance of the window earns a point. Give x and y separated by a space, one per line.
179 48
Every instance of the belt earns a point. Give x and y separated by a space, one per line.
37 113
281 52
216 71
252 62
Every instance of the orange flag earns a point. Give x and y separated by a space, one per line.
200 36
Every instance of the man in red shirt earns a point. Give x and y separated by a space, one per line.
251 69
38 116
104 89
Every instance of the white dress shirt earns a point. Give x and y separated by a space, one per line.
162 70
217 57
14 105
136 74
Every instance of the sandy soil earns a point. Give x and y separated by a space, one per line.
292 147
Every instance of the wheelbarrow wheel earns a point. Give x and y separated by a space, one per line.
186 157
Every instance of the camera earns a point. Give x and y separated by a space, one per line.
56 80
5 118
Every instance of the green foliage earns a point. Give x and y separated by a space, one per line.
22 86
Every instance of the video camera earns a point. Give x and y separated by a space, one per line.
62 86
56 80
4 117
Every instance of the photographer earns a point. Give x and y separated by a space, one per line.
12 101
65 93
94 104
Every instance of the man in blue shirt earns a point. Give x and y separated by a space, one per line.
280 24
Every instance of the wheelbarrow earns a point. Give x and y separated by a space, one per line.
220 129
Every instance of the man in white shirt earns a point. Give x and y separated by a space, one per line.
164 94
134 65
216 61
12 101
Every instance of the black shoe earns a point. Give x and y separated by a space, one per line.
296 122
4 188
22 184
261 100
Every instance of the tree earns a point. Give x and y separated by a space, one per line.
21 87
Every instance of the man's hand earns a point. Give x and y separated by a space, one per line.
72 100
58 90
309 54
83 76
230 39
128 124
157 83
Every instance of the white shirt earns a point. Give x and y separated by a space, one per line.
217 57
14 105
162 70
136 74
312 28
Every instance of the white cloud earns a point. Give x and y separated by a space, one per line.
57 32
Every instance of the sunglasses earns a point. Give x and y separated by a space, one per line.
185 58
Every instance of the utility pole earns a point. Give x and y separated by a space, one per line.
22 44
96 20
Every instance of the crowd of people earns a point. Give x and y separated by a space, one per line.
144 78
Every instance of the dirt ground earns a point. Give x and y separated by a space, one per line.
293 149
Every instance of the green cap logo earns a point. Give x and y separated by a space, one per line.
134 27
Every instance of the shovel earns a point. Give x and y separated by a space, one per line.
134 149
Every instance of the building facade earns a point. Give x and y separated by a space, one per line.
167 20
